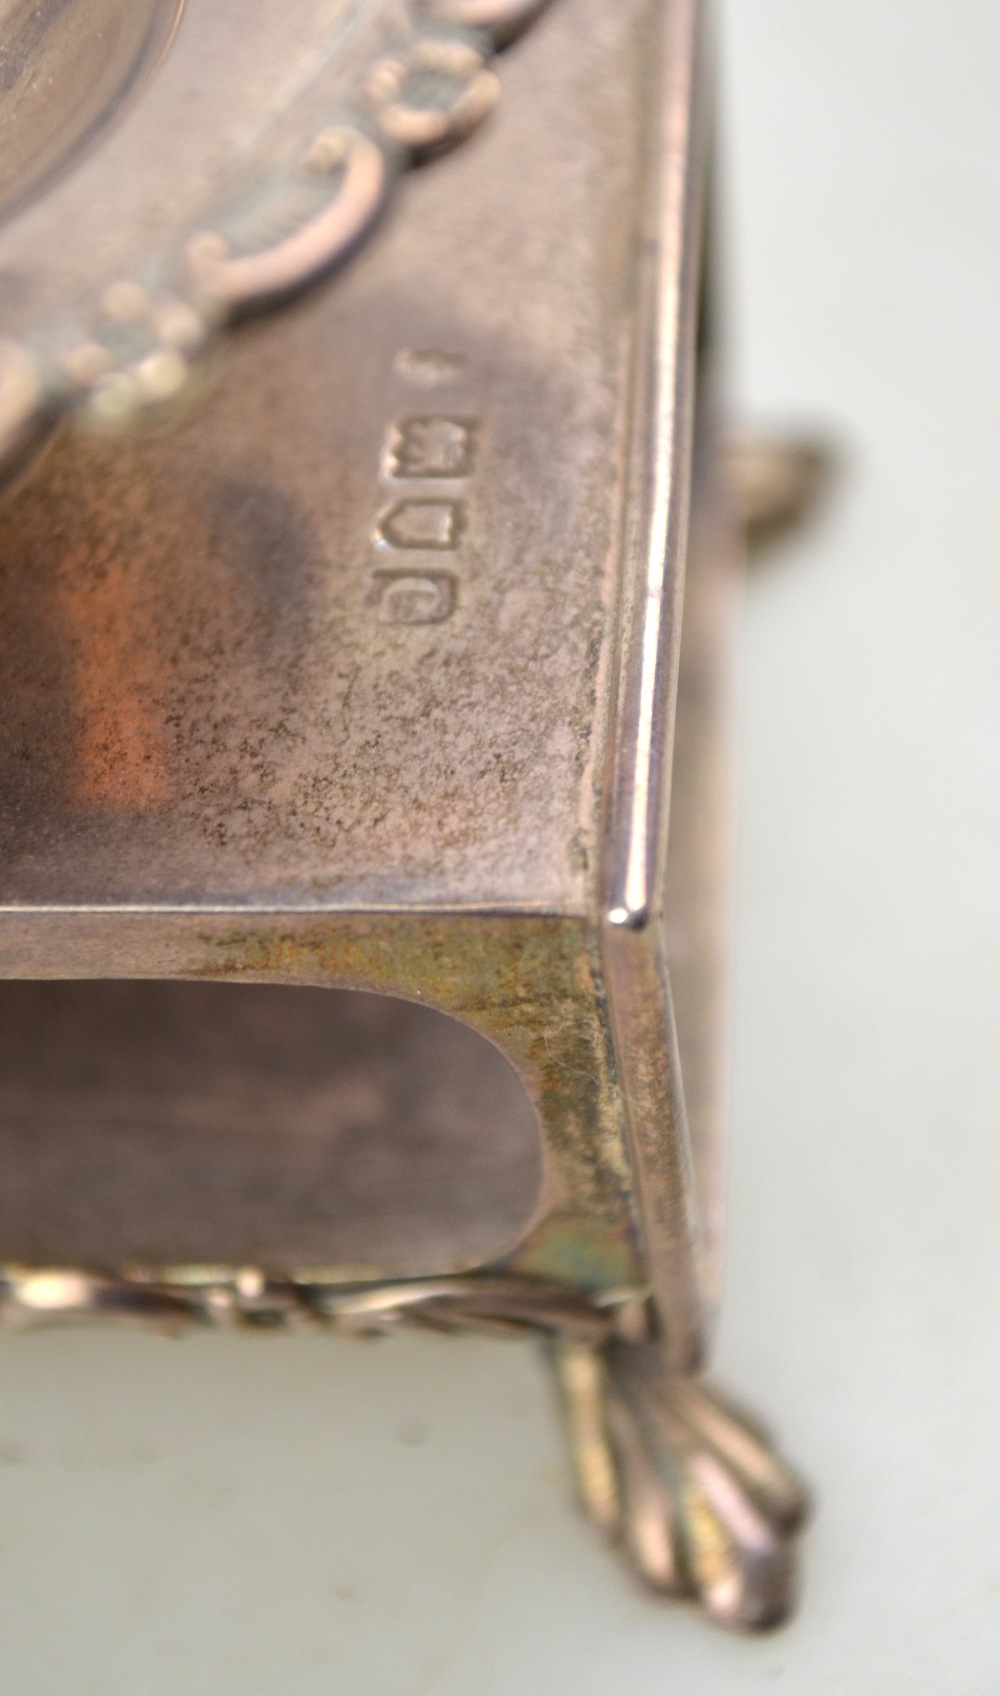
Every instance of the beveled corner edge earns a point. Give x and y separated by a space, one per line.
654 542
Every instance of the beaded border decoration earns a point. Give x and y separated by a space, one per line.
289 222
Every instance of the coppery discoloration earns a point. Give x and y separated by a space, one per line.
214 715
362 676
299 743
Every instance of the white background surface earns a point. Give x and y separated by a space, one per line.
225 1517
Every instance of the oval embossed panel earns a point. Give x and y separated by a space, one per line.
68 68
166 165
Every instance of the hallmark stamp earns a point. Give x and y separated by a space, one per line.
429 367
422 450
438 525
432 446
413 597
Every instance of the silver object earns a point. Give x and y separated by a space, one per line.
169 165
365 674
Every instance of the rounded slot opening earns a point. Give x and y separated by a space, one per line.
173 1123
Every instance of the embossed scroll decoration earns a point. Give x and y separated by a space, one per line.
119 310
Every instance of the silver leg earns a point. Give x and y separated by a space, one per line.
681 1482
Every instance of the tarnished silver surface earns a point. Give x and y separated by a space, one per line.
154 1123
168 164
365 673
328 701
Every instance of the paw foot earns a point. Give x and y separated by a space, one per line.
686 1486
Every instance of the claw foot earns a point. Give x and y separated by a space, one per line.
685 1486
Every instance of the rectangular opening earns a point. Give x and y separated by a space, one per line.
162 1123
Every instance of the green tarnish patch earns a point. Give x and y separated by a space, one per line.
529 985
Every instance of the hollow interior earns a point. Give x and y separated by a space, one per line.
166 1123
68 68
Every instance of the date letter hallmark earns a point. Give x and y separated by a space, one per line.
411 597
421 453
